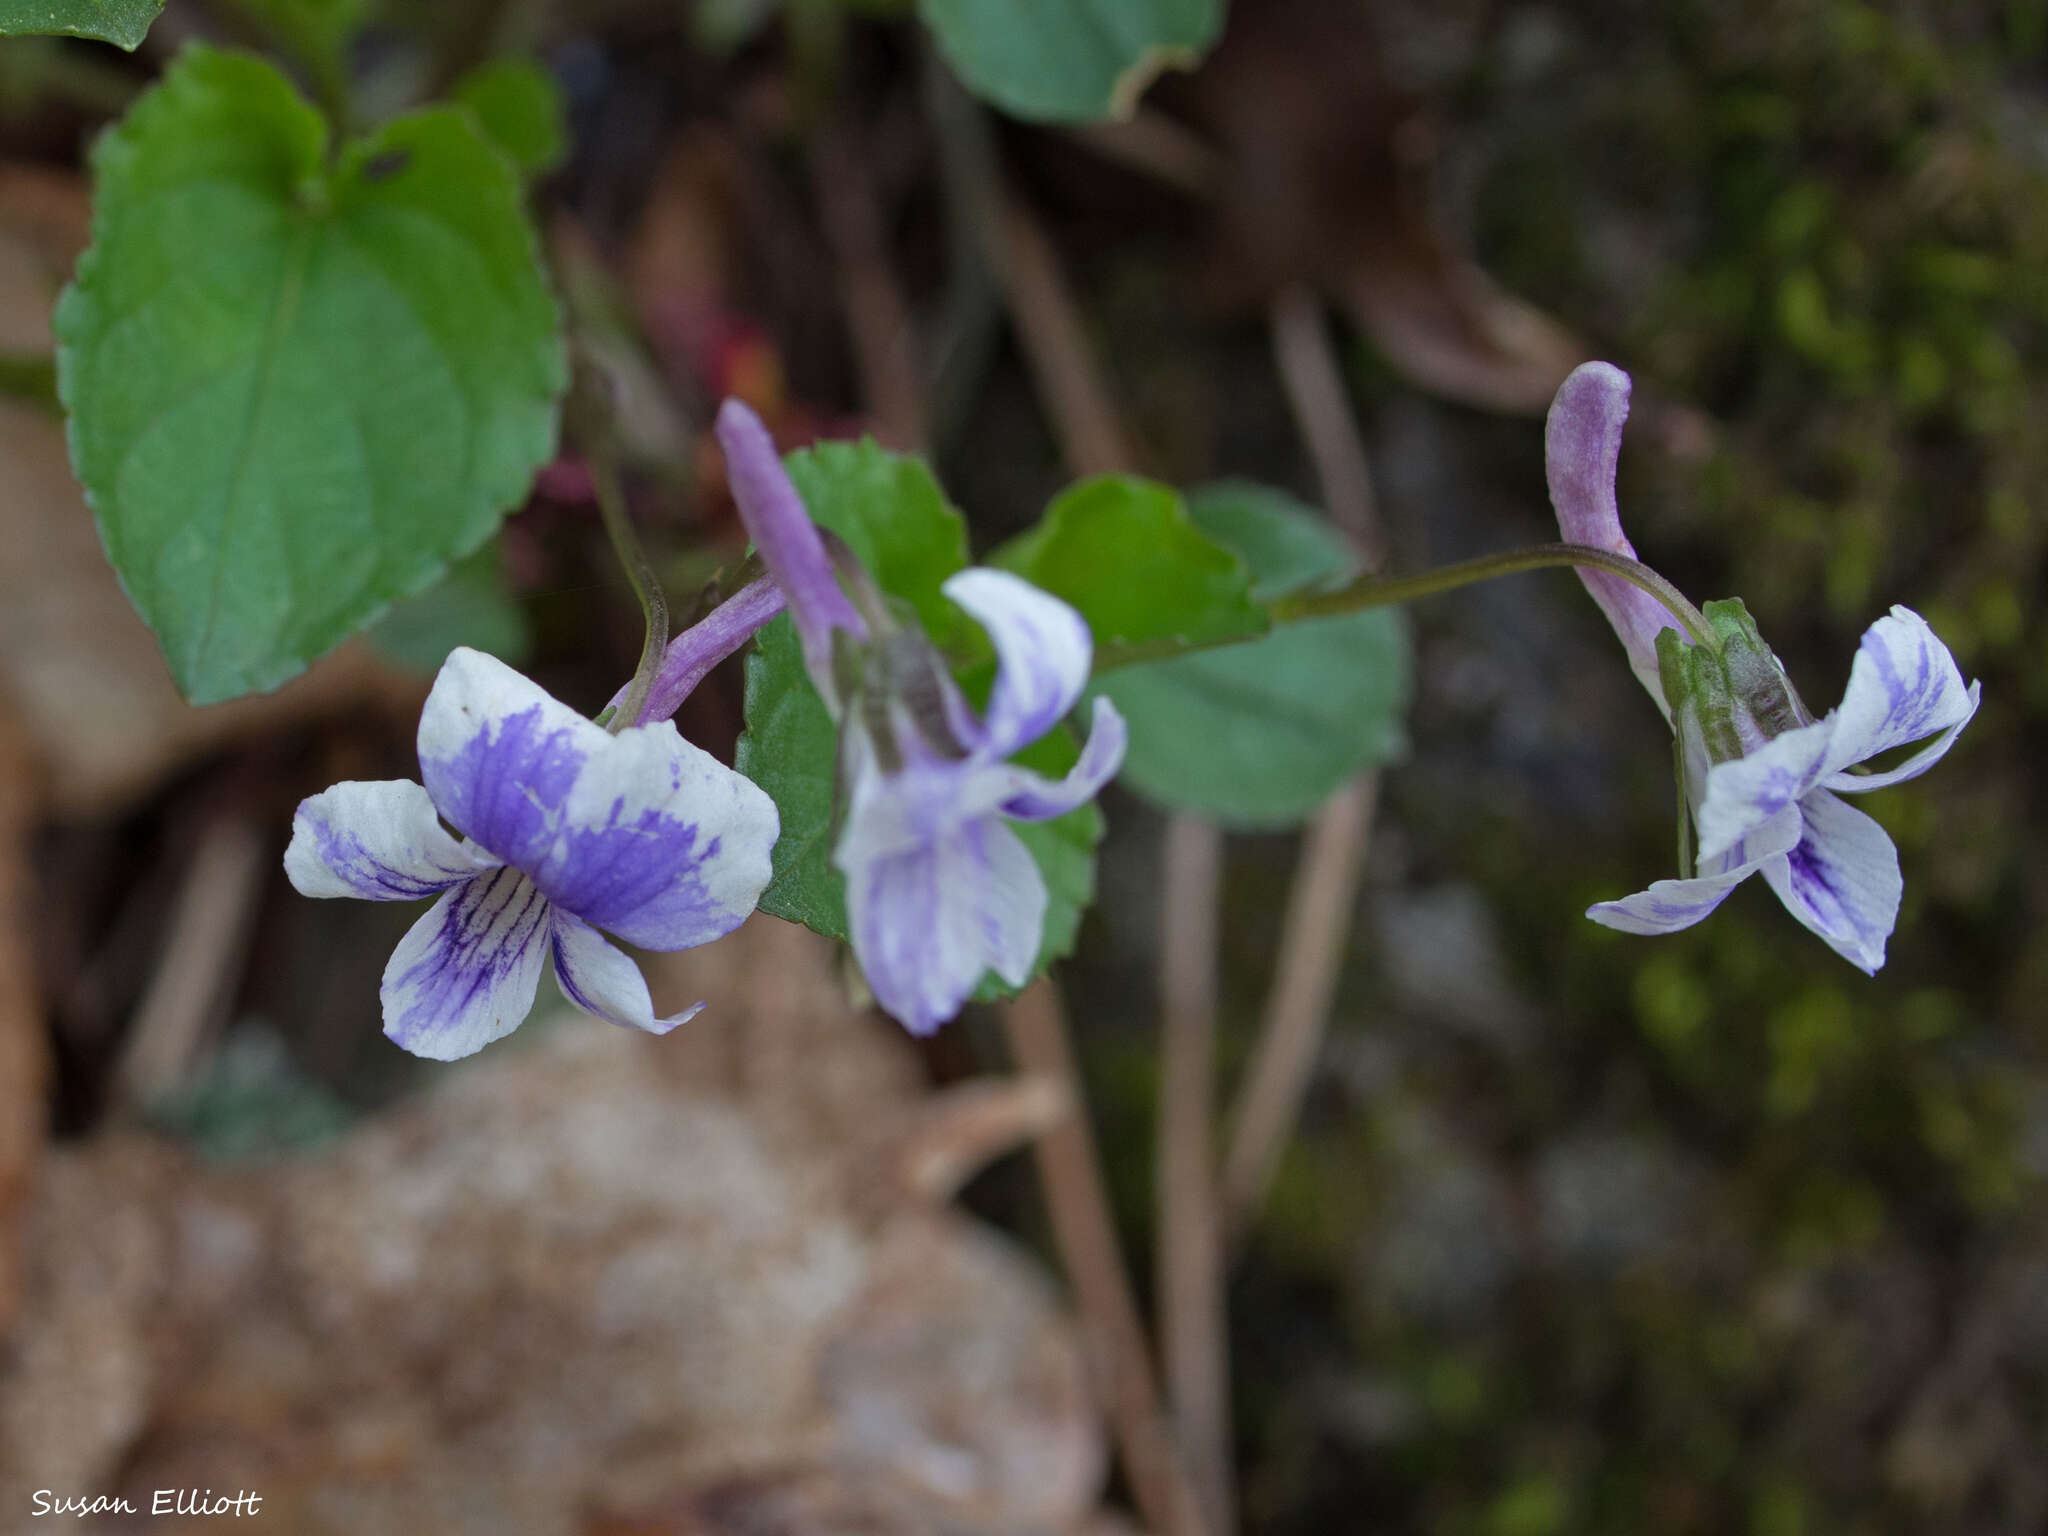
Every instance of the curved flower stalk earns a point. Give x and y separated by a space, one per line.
1761 777
939 889
565 829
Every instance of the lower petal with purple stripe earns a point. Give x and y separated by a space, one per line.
1842 880
603 981
1670 905
928 922
465 974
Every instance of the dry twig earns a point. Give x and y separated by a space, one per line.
878 318
1315 389
1333 852
202 955
1070 1168
1055 341
24 1051
1298 1007
1193 1322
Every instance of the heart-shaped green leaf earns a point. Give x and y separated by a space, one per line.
1260 734
1124 552
1069 60
122 22
518 104
299 386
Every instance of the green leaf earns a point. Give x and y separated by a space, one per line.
789 748
893 516
469 606
1260 734
299 385
895 519
122 22
1123 551
1070 60
519 107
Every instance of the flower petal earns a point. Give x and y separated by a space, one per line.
1670 905
661 843
929 920
1745 792
500 755
1842 880
1903 687
1043 651
788 540
641 833
1581 446
603 981
465 974
1034 797
378 840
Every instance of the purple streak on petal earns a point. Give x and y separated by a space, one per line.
927 923
377 841
1745 792
603 981
1842 880
499 756
1581 446
1043 652
692 654
786 537
1036 798
465 973
1670 905
660 843
1903 687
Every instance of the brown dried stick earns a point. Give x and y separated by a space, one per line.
204 948
1315 389
1298 1007
1082 406
878 318
1193 1323
1055 341
1333 852
1070 1168
24 1048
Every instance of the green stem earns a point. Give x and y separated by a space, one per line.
1384 591
611 503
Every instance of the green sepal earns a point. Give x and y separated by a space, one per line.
1758 684
1725 699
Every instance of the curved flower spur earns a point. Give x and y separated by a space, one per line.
566 829
939 890
1761 777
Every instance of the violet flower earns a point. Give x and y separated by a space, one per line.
939 889
1762 777
565 829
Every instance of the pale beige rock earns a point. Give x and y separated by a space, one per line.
594 1282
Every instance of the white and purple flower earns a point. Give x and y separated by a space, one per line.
939 889
1762 776
565 829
